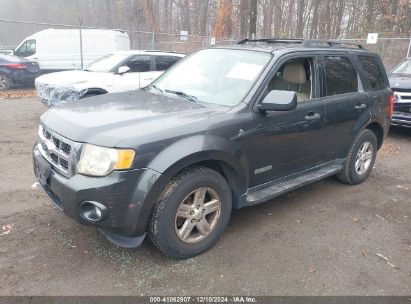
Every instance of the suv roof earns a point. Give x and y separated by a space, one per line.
274 44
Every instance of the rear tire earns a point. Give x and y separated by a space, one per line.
191 214
360 159
5 82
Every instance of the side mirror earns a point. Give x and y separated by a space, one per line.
123 70
277 100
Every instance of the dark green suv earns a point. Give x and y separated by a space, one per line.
227 127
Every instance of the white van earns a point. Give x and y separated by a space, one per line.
59 49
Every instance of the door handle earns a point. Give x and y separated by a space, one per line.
360 106
312 116
148 79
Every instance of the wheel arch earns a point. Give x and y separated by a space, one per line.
378 131
188 153
95 91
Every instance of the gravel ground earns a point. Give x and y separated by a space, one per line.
321 240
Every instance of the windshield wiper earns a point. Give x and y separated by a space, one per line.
154 87
182 94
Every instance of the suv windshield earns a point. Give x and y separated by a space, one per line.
106 63
219 76
403 68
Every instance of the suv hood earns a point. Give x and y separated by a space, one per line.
107 120
71 78
400 81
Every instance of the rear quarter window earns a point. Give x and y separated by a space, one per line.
373 72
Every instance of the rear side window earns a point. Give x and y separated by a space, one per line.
340 75
373 72
165 62
139 64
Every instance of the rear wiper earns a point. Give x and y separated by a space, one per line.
182 94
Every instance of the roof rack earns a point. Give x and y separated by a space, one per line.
304 42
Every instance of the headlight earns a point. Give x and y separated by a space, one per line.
100 161
396 97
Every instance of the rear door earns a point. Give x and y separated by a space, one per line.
347 104
163 63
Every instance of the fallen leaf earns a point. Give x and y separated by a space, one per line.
6 229
387 261
380 217
381 256
312 270
392 265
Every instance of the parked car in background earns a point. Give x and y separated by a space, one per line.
400 82
118 72
59 49
15 71
226 128
6 52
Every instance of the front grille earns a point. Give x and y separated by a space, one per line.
402 101
57 150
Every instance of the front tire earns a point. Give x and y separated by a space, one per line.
192 213
361 159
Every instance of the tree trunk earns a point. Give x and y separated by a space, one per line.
253 19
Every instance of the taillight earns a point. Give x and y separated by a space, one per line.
17 66
391 105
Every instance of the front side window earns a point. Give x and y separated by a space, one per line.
106 63
218 76
295 75
163 63
28 48
139 64
373 71
340 76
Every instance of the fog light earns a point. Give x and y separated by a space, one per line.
93 211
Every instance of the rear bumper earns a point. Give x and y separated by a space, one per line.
123 193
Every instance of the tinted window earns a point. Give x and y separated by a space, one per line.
28 48
165 62
373 72
341 77
139 64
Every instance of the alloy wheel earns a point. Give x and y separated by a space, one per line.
197 215
364 158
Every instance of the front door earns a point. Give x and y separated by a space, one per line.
284 143
141 74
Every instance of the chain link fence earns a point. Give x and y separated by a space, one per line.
14 35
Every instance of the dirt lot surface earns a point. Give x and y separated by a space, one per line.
17 93
325 239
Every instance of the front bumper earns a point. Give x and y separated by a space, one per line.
123 193
54 95
401 119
